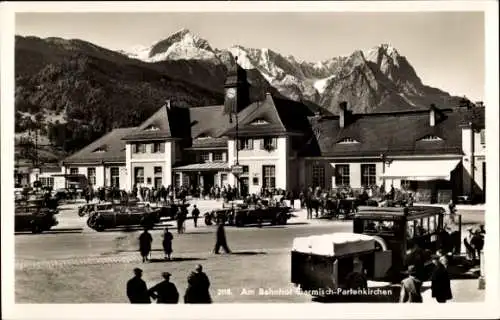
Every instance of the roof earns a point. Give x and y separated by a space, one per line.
207 166
276 116
155 127
111 145
397 133
397 213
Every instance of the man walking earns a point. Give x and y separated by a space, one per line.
145 240
410 287
440 282
221 239
167 243
137 291
198 287
165 291
195 213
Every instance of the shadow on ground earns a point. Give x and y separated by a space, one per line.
176 259
247 253
53 231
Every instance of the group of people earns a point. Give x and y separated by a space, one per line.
146 241
411 286
198 289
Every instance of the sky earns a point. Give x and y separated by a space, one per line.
446 49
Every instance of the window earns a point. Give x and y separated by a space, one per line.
318 176
343 176
431 138
91 176
158 147
376 227
245 169
100 149
269 173
115 176
73 171
245 144
269 143
152 128
204 156
139 148
139 175
158 171
47 182
223 179
347 141
259 122
482 136
217 156
368 175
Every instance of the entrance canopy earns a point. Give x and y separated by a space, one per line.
207 166
421 170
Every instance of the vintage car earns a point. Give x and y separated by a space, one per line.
123 216
34 218
87 209
242 214
169 210
382 241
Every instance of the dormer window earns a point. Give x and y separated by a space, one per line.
100 149
348 141
152 128
203 136
258 122
431 138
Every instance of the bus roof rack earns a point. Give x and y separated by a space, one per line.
415 210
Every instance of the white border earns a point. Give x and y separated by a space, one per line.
489 309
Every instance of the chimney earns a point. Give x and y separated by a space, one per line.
432 115
343 113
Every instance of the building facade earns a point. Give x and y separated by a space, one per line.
284 144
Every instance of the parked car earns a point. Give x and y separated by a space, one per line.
87 209
34 218
242 214
168 210
123 216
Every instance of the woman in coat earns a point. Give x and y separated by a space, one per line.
440 282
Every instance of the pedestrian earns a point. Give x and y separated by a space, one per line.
468 244
167 243
137 291
308 203
440 281
180 221
165 291
477 244
416 257
195 213
145 240
443 259
198 287
356 279
221 239
411 287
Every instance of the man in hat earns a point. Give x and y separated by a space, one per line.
440 281
165 291
198 287
221 239
137 291
410 287
195 213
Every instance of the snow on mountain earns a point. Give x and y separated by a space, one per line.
182 45
321 84
365 79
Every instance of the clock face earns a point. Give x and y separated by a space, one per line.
231 93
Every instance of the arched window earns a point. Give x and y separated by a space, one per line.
152 128
258 122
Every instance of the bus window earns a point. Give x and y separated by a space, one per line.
410 229
419 229
371 226
425 225
432 224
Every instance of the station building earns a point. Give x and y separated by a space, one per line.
280 143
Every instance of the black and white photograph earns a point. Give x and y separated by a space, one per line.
226 156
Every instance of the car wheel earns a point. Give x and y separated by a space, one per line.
239 222
208 221
36 229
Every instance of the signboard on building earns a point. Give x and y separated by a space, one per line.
237 169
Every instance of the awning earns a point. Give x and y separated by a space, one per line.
207 166
421 170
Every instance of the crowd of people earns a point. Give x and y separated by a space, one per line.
198 289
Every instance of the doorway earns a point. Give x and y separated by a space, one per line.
244 186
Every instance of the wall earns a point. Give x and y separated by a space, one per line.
255 159
148 172
473 168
